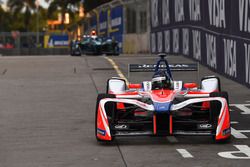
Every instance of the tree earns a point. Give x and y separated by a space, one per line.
2 13
42 12
63 6
17 7
5 20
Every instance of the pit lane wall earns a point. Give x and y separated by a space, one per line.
215 33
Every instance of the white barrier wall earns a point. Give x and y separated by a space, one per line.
136 43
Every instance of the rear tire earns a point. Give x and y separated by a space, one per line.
109 107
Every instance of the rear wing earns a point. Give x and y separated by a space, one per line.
173 67
151 67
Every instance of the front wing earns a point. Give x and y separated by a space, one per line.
104 132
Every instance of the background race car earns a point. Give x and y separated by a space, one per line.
91 45
162 106
110 47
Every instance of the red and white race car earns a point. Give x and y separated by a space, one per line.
162 106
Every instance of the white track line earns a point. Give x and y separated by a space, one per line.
244 131
237 134
118 71
243 107
184 153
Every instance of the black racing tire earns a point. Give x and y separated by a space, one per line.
220 94
215 107
116 52
75 54
109 107
224 141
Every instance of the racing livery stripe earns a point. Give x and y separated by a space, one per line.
105 121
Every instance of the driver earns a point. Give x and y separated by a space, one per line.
161 81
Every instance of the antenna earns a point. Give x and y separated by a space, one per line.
162 55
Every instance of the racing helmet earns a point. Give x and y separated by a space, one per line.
161 81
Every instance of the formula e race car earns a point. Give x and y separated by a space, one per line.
91 45
162 106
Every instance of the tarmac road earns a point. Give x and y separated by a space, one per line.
47 117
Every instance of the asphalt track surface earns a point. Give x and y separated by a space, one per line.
47 117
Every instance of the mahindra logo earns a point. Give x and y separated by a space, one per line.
121 127
205 126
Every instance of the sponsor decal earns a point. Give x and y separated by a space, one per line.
101 132
204 126
214 32
247 62
179 10
211 51
165 12
196 44
176 39
116 22
162 107
103 25
217 13
121 127
173 67
185 34
244 21
55 41
230 57
226 131
195 10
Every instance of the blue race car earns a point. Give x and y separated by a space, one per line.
91 45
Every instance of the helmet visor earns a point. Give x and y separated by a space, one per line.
161 83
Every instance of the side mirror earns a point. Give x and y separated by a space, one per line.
190 85
210 84
116 86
